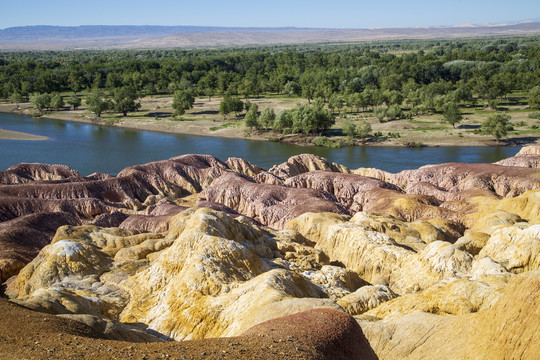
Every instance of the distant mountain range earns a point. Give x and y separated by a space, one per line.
151 37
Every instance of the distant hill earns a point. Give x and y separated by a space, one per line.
148 37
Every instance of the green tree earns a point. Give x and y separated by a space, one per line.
349 128
267 118
393 112
74 101
335 102
534 97
125 100
237 106
225 106
75 81
497 125
380 113
40 102
291 88
284 121
16 98
363 129
229 105
57 101
311 119
452 114
97 103
182 101
252 117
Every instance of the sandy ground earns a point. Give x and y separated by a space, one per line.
156 114
15 135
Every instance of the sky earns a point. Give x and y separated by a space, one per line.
270 13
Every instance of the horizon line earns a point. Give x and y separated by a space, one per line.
287 27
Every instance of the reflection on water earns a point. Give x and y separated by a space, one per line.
89 148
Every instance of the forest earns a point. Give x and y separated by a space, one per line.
387 77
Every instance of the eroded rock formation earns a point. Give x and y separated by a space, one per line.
432 262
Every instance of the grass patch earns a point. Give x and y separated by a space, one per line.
182 119
430 128
223 126
527 132
420 122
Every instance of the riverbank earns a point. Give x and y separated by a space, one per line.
203 119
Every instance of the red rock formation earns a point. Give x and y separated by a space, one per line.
12 207
303 163
525 160
188 173
502 180
271 205
24 173
335 334
442 195
113 219
146 223
243 167
343 186
23 237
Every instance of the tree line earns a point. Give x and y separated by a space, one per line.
362 75
425 76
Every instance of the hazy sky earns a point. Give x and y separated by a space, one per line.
270 13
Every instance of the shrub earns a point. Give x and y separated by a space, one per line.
324 141
534 115
414 144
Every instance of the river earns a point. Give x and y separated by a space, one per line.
91 148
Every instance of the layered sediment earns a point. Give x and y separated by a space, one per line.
346 263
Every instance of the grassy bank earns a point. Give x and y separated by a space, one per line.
156 114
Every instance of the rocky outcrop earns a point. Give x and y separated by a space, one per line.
377 257
243 167
206 269
451 296
491 333
529 150
22 238
271 205
516 249
25 173
311 335
502 180
526 160
31 189
366 298
193 248
303 163
12 207
528 156
407 206
345 187
178 175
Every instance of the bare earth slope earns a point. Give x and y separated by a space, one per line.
316 334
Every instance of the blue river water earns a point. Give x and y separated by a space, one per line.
90 148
